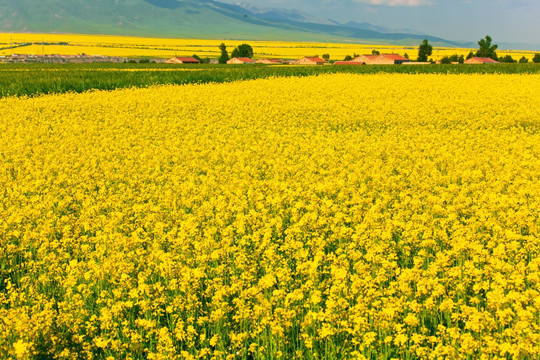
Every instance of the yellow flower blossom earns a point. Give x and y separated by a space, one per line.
382 215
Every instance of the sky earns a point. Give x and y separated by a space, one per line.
510 21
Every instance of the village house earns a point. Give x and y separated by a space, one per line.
310 61
240 60
183 60
270 61
480 60
364 59
395 59
383 59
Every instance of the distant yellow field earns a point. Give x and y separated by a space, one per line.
165 48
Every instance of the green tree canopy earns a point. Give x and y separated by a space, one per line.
424 51
507 59
446 60
486 49
205 60
536 58
244 50
224 54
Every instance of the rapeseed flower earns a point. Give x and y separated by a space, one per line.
348 216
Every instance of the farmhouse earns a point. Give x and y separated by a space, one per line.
311 61
183 60
480 60
391 59
240 60
364 59
383 59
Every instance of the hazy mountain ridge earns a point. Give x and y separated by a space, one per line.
301 16
188 18
284 14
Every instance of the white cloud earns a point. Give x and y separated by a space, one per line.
396 2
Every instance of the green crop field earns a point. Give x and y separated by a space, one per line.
34 79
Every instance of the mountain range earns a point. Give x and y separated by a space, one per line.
191 19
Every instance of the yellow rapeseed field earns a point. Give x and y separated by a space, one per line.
126 46
329 217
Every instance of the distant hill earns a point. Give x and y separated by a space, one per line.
186 18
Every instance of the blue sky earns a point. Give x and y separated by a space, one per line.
468 20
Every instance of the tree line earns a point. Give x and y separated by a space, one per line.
243 50
486 49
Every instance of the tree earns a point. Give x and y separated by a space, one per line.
487 50
224 54
446 60
523 60
348 58
424 51
507 59
470 55
244 50
236 53
454 58
375 52
202 60
406 56
326 57
536 58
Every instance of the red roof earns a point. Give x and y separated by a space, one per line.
314 59
245 59
367 56
483 60
187 59
395 57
